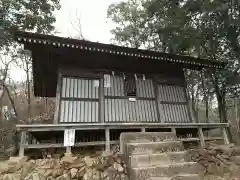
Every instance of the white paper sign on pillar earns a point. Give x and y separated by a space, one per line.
69 137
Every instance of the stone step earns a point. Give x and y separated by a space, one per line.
2 158
154 147
2 154
178 177
167 170
159 178
147 136
144 160
133 137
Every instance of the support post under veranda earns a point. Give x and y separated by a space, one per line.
173 130
68 151
143 129
225 136
201 137
107 140
22 143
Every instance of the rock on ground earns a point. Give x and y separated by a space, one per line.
66 168
220 162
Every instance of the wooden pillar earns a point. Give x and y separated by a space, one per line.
225 136
143 129
173 130
155 86
58 97
107 140
68 150
22 143
101 100
201 137
189 109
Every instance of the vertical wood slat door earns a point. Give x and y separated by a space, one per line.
173 104
79 100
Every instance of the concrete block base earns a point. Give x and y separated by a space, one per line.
154 147
170 170
158 156
158 159
17 159
178 177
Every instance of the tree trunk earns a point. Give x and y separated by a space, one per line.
1 118
11 101
28 91
221 105
220 94
1 105
205 97
194 110
236 118
15 137
206 110
236 100
224 107
232 37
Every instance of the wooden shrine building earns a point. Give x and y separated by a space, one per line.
102 90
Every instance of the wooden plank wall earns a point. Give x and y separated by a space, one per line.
118 108
172 103
123 110
156 101
79 100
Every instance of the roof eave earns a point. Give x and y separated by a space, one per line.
33 38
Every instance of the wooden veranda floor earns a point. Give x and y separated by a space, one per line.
92 126
108 134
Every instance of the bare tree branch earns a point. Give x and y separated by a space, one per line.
77 24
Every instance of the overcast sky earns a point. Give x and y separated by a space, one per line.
93 16
94 23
